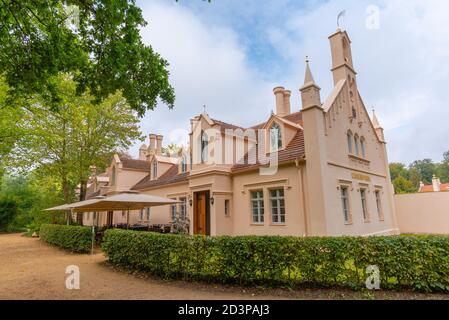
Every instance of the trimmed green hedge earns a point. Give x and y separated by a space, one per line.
420 263
73 238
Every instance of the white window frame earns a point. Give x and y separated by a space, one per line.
258 204
364 203
173 211
275 137
380 211
346 202
183 207
279 209
154 170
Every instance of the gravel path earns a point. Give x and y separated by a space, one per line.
30 269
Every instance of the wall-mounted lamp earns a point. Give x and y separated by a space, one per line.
212 200
190 200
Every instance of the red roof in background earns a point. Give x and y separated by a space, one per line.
429 187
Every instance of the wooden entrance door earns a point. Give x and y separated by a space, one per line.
201 209
110 218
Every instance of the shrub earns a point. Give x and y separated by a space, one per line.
420 263
73 238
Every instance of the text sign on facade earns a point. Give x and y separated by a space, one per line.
358 176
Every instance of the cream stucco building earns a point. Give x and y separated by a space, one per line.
319 170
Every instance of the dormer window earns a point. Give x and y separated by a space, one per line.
204 146
275 137
154 170
183 164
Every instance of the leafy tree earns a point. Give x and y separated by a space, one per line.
97 41
398 169
402 185
8 211
426 169
65 144
171 149
443 168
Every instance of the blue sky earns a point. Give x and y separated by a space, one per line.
230 54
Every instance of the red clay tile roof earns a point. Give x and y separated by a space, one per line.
170 176
429 187
141 165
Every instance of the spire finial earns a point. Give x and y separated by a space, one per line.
308 77
376 123
204 108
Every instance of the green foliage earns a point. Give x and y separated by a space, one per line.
31 194
420 263
73 238
97 41
65 144
8 211
407 179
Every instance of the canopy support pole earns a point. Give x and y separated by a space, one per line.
127 219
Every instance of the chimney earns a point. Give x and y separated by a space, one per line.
435 184
279 94
152 147
143 152
287 108
159 145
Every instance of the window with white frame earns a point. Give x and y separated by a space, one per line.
183 207
183 164
173 211
364 204
277 206
257 206
148 212
344 194
275 137
204 147
141 215
380 212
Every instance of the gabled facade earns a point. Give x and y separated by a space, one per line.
319 170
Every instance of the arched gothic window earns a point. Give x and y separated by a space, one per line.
349 139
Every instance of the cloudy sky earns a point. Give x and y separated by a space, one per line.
230 54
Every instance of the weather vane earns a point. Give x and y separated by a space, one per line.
340 15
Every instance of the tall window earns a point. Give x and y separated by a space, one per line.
362 146
277 206
183 164
141 215
148 212
173 211
345 203
349 138
379 205
257 207
275 137
183 207
356 144
364 205
204 147
227 207
154 170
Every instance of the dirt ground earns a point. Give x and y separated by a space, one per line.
30 269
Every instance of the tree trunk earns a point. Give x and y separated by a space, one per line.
83 190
